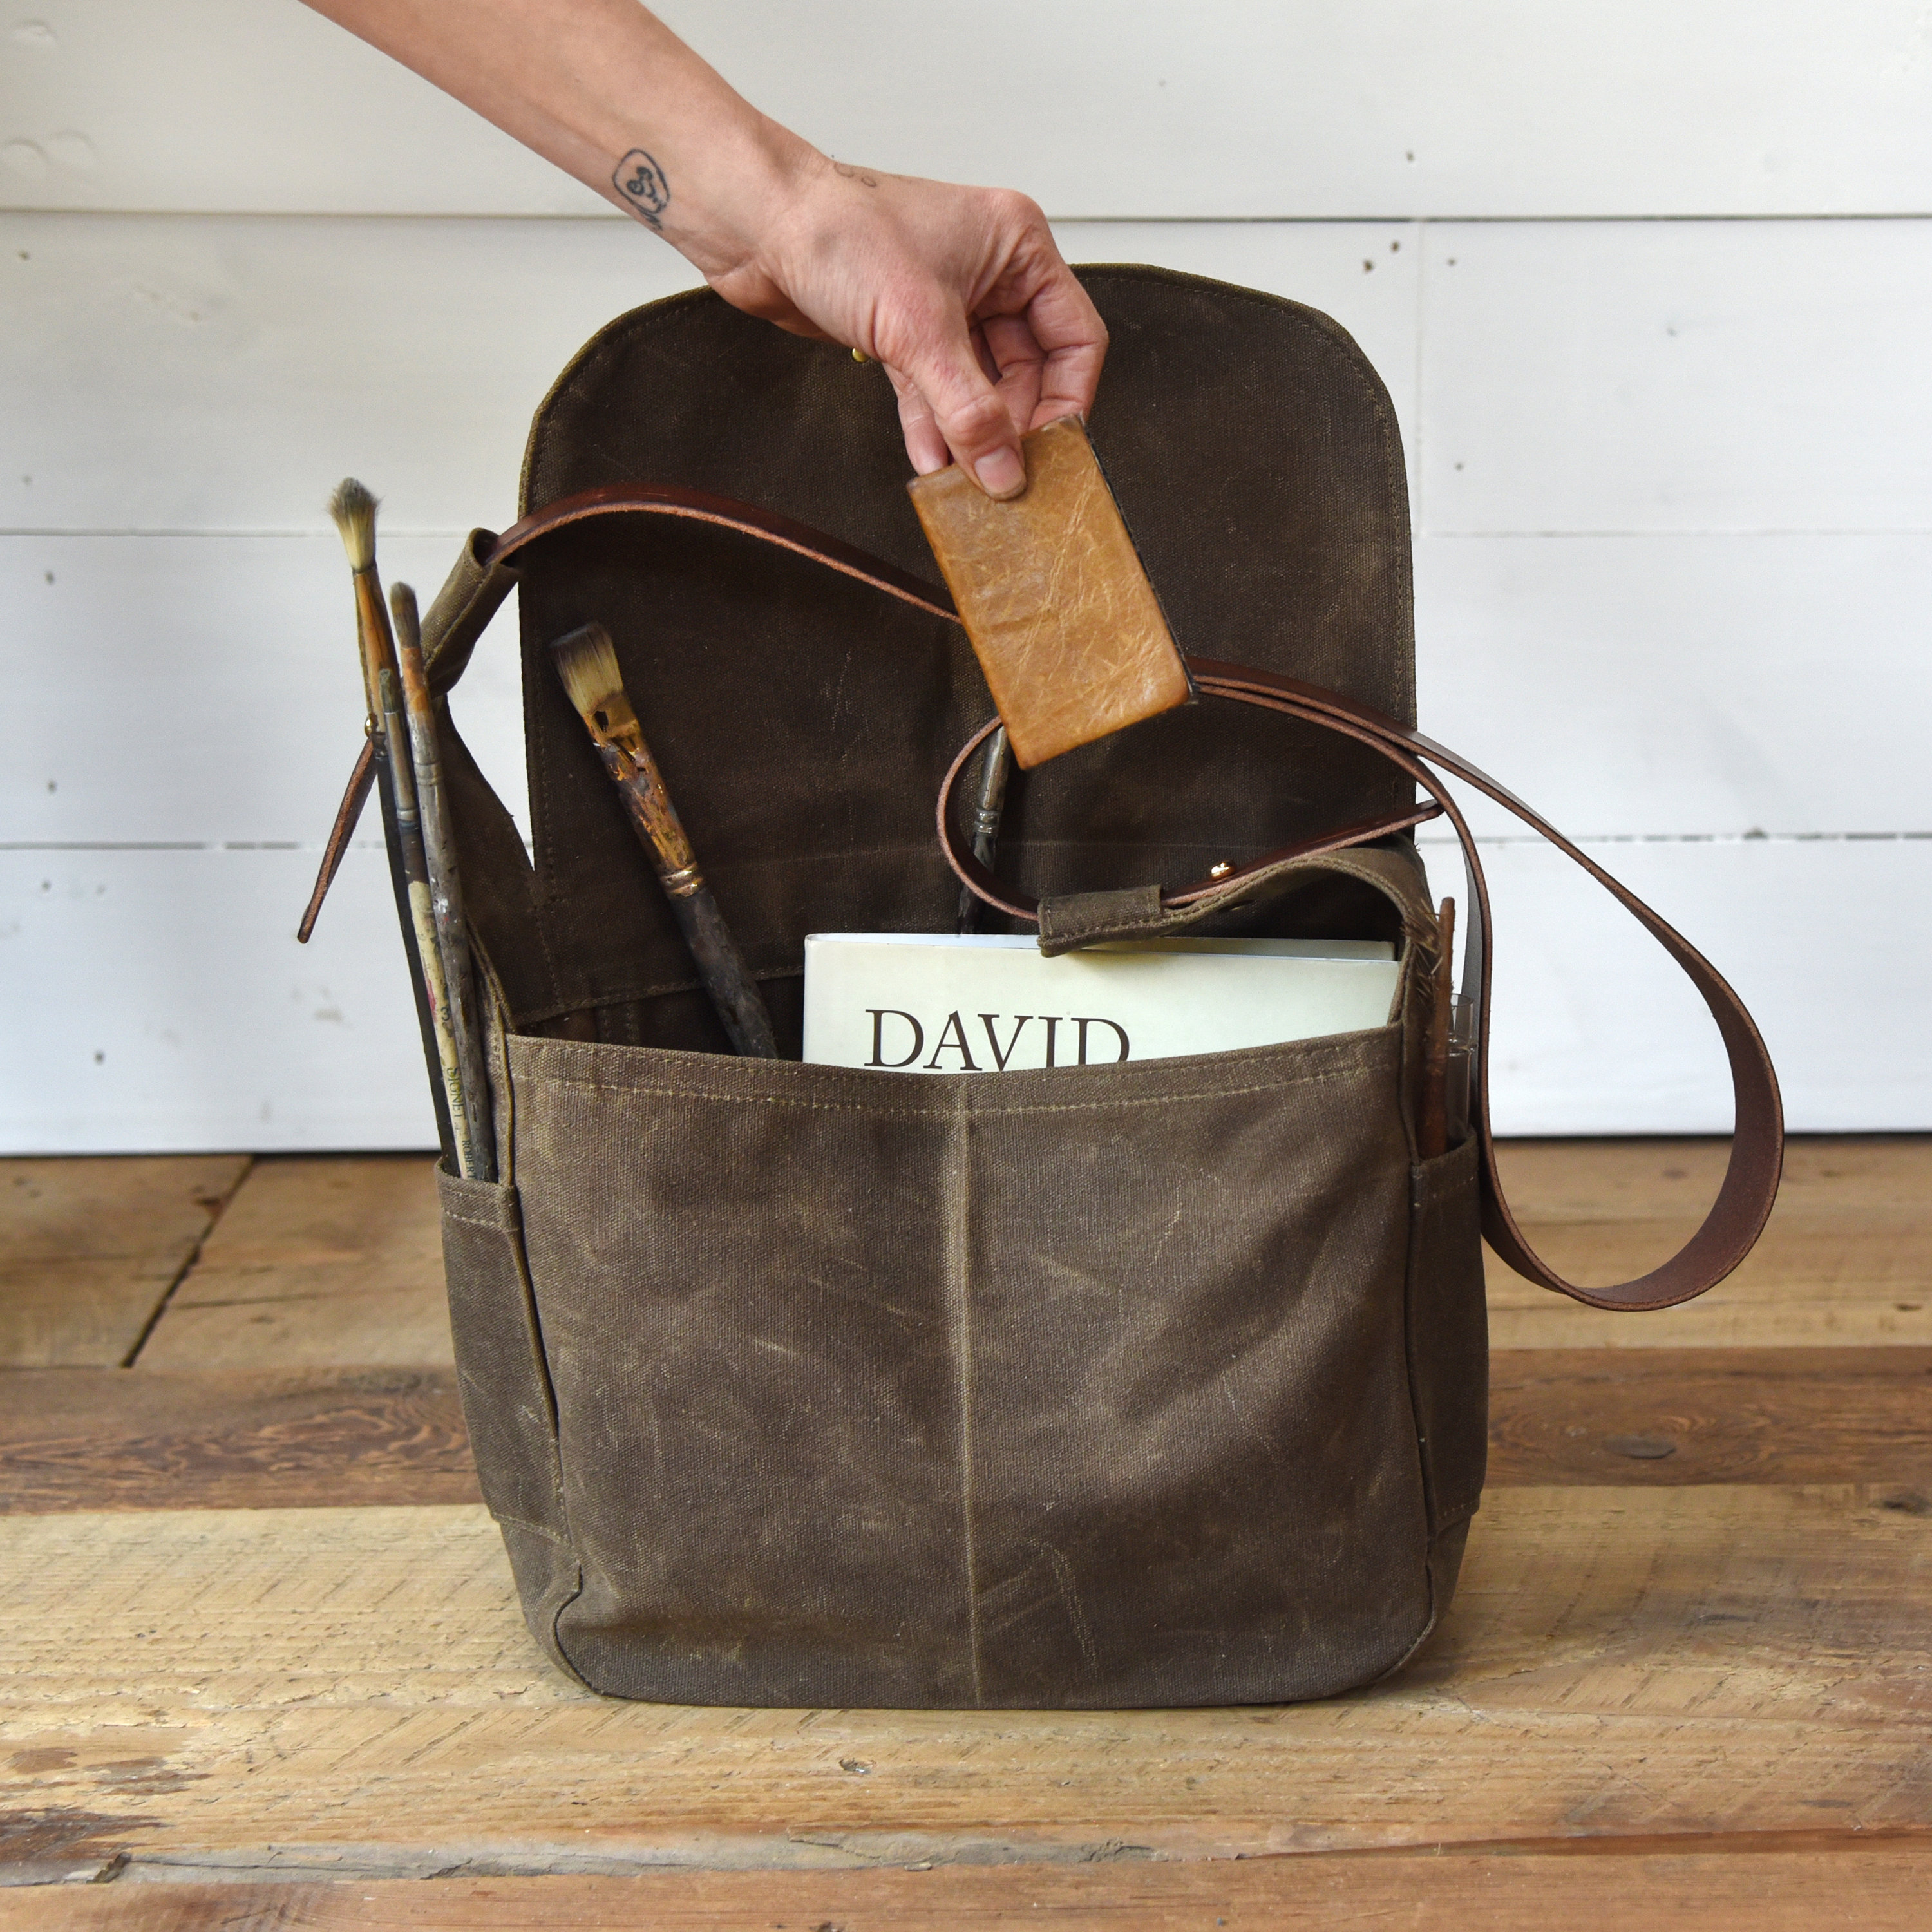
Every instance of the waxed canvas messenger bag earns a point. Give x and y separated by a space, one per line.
1155 1383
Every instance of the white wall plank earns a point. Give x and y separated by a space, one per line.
213 105
215 1030
1664 376
1743 404
1655 685
1598 1032
1633 685
1380 108
196 373
158 1001
1366 275
199 690
222 373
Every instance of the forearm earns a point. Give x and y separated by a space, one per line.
591 84
952 288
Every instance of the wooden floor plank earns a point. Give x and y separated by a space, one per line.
1881 1889
1846 1260
89 1313
1815 1279
234 1438
89 1246
119 1439
351 1692
1620 1416
1755 1308
113 1206
1654 1178
319 1262
334 1262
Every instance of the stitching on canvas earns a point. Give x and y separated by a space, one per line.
605 1088
470 1221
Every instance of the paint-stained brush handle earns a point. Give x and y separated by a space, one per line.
445 890
353 510
728 979
348 814
586 661
392 838
448 1069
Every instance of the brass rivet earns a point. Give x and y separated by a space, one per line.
1219 872
860 356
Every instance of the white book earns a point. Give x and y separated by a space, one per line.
986 1003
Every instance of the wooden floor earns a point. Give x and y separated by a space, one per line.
261 1664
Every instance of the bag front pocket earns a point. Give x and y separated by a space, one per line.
1076 1387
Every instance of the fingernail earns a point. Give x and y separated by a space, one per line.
1002 474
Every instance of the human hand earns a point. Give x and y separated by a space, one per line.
960 292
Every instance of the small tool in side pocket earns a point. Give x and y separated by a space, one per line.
990 803
1052 591
587 661
353 510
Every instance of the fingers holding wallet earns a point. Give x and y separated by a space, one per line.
1024 347
960 292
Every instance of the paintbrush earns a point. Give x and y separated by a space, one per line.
354 512
422 920
996 761
445 883
347 815
587 661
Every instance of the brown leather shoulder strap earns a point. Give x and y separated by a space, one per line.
1744 1202
484 574
664 499
1749 1188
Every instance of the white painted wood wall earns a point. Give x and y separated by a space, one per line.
1649 283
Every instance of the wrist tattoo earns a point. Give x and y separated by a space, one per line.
850 173
641 182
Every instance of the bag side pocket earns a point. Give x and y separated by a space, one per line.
507 1399
1448 1335
500 1367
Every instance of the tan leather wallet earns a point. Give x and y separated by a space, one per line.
1050 589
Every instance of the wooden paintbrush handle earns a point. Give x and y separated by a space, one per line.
373 632
726 978
392 837
448 1067
634 773
445 890
740 1006
347 815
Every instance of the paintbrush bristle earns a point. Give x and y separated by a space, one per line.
587 661
402 610
354 510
